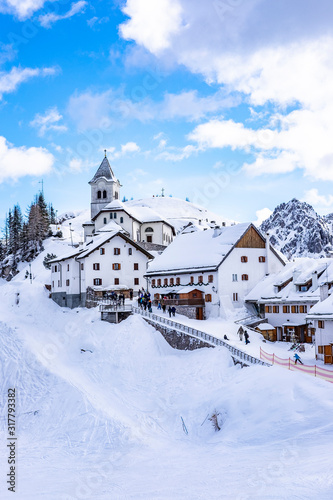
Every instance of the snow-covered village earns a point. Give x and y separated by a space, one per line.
166 250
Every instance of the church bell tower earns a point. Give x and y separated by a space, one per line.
104 187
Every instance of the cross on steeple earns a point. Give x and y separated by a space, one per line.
162 192
105 152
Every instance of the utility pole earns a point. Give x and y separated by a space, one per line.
71 230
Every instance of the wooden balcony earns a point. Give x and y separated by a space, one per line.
182 302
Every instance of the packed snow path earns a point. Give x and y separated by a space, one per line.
241 356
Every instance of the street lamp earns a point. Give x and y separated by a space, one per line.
71 230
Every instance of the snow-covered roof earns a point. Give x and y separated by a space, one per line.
198 251
302 270
324 308
95 242
265 326
110 226
142 214
105 171
189 289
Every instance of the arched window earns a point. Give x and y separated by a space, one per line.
99 194
149 230
104 194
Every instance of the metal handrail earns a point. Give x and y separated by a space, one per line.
192 332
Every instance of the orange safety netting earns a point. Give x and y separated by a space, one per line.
315 370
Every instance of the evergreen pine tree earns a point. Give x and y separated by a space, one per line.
52 214
44 216
16 229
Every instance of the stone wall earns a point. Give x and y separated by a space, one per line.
179 340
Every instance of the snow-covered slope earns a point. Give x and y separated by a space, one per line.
180 212
298 231
106 423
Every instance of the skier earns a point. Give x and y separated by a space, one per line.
297 358
226 338
246 336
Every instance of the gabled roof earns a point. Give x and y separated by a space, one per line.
104 171
96 242
202 250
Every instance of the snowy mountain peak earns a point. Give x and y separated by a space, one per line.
297 230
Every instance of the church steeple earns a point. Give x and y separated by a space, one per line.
104 187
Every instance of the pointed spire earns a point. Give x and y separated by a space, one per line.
104 170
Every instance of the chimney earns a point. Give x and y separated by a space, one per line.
217 231
323 292
267 254
314 280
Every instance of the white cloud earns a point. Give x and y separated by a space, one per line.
23 9
11 80
48 122
46 20
249 48
152 23
177 154
76 165
315 199
262 215
16 162
129 147
96 21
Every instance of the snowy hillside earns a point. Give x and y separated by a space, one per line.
106 423
298 231
180 212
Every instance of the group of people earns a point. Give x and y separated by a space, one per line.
117 300
144 300
242 332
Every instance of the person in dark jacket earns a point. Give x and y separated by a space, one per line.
246 336
170 311
173 310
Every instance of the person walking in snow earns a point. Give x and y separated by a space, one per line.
170 311
246 336
225 337
173 310
240 333
297 358
164 307
159 307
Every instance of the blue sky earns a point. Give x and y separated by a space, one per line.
226 102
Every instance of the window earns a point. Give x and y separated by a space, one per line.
82 266
208 297
130 251
191 280
303 309
234 277
172 281
153 282
136 266
67 282
276 309
121 220
136 281
262 259
243 258
111 215
59 285
104 194
115 215
149 230
321 324
303 288
245 277
52 284
96 267
54 269
105 220
286 309
116 281
235 297
97 281
116 195
320 348
200 279
210 278
99 194
116 251
177 281
102 251
116 267
67 267
149 239
165 282
268 309
159 282
294 309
